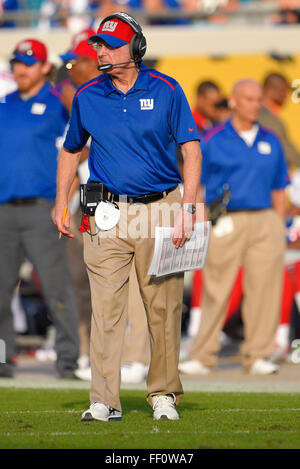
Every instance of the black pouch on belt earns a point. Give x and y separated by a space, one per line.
217 208
90 195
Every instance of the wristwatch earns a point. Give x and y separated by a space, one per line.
189 208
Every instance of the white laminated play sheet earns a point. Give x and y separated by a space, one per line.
191 256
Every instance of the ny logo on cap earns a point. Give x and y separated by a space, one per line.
24 46
110 26
81 37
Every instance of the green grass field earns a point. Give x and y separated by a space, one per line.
37 418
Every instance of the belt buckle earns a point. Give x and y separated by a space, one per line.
144 198
136 200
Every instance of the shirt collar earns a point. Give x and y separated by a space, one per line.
229 126
45 88
142 82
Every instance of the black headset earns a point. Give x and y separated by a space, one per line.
138 44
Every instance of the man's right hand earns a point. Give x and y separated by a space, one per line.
57 217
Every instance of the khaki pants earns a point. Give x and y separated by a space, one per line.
109 264
137 340
257 243
81 283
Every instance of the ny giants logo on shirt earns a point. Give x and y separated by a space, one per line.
147 104
38 108
110 26
264 148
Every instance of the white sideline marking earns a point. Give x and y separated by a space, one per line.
252 410
168 432
51 411
73 411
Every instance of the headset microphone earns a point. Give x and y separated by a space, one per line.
105 67
108 67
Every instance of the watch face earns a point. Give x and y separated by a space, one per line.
189 208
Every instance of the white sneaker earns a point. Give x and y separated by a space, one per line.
133 372
193 367
103 412
85 374
164 407
45 355
83 361
263 367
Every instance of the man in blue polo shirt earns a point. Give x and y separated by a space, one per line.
249 159
32 119
135 116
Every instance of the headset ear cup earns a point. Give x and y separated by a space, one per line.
137 47
142 46
132 47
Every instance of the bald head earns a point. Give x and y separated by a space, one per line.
246 100
245 85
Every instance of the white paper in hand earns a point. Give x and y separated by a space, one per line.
169 260
107 215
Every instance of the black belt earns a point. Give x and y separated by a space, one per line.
142 199
25 201
245 210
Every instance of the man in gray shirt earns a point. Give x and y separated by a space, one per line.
276 89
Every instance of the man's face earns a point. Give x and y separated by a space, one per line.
247 101
113 55
206 104
28 77
82 69
278 92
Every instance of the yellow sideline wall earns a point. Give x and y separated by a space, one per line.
189 71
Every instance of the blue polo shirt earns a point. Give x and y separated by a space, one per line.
28 144
134 135
251 172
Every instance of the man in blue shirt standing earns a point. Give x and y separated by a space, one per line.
248 158
32 120
135 117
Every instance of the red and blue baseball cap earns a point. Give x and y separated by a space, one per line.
114 32
30 51
79 47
